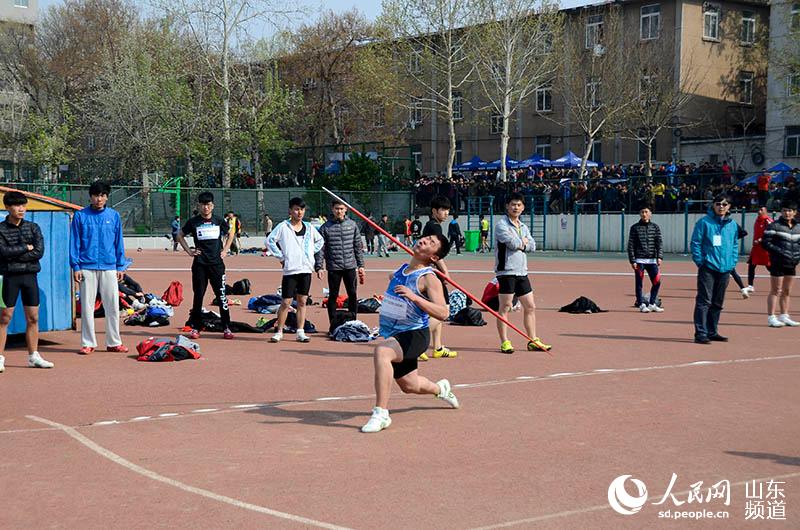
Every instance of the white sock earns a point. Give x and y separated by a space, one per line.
382 412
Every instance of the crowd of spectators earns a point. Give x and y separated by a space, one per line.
670 188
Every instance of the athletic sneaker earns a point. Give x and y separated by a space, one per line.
788 321
644 308
2 364
227 334
537 345
378 421
276 337
301 336
506 347
444 352
745 292
119 348
750 289
194 334
446 393
774 322
35 361
423 357
653 308
86 350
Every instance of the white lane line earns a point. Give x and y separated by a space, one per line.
600 507
480 384
105 453
107 422
461 271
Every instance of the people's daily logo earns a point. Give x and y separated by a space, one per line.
621 501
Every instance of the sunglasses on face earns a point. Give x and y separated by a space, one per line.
722 204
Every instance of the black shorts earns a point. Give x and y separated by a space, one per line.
413 343
516 285
294 284
16 284
484 233
781 270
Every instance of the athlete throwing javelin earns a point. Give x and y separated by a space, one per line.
413 296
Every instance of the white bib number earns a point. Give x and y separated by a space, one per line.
207 231
717 240
394 308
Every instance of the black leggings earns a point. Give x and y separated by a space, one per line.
334 280
202 275
751 276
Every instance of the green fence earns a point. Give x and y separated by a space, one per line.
151 213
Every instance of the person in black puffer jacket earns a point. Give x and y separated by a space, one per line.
782 241
21 248
344 257
645 254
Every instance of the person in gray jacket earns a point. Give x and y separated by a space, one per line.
512 241
344 257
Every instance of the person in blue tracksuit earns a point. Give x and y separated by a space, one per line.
715 252
413 296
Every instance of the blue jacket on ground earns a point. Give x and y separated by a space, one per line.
96 241
723 256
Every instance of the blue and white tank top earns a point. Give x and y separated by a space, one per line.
399 314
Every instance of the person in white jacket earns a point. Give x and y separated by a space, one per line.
512 241
296 244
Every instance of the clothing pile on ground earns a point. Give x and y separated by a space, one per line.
354 331
582 305
160 349
212 321
155 313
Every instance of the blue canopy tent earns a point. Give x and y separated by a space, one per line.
779 172
571 160
535 160
510 164
473 164
334 168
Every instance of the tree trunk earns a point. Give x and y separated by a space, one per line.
189 168
504 138
332 112
585 157
146 199
226 117
451 135
256 160
648 171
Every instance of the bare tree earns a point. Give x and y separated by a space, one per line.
430 39
594 78
663 93
513 51
217 27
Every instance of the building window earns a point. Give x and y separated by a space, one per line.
90 143
596 154
496 125
592 94
543 146
643 150
415 114
459 153
795 17
416 154
309 83
646 89
594 31
793 85
21 3
746 88
458 106
748 36
792 141
711 22
544 98
650 21
415 62
547 42
379 116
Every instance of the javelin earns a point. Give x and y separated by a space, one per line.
442 275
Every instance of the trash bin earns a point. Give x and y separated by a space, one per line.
472 239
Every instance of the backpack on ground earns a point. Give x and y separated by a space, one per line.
469 316
239 287
339 318
174 293
369 305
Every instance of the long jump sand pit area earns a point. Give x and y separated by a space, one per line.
260 435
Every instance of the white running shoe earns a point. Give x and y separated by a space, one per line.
446 394
788 321
301 336
745 292
35 361
276 337
750 289
655 309
2 364
644 308
378 421
773 322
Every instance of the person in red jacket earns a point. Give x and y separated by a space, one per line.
758 255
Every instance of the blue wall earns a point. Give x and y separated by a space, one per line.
55 279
